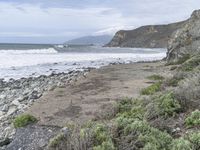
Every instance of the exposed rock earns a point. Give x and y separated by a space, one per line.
32 137
185 41
151 36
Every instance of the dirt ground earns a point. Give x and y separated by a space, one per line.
89 96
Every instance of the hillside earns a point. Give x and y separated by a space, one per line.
91 40
151 36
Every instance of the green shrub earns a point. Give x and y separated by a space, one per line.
152 89
102 138
122 121
24 120
194 138
125 105
107 145
181 144
168 105
193 119
155 77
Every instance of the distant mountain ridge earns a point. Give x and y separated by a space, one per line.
150 36
91 40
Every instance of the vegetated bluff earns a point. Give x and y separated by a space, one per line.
151 36
185 42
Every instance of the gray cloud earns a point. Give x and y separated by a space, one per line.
65 19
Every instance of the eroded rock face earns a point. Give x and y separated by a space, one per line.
151 36
186 40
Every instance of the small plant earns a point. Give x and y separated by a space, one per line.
181 144
24 120
168 105
193 119
155 77
152 89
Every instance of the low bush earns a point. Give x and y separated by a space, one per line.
193 119
168 105
24 120
152 89
155 77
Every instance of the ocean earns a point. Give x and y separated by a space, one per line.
30 60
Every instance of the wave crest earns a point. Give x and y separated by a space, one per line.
30 51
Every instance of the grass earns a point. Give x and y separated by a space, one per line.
193 119
155 77
152 89
24 120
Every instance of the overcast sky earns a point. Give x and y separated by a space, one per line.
55 21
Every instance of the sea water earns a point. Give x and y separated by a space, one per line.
26 60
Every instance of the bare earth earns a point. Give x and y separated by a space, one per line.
86 98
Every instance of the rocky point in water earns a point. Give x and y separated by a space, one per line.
151 36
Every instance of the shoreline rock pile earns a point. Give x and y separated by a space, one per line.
17 95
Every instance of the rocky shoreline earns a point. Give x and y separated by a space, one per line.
18 95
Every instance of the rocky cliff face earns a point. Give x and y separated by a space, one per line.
185 42
152 36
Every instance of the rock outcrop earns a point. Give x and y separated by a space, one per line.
151 36
185 42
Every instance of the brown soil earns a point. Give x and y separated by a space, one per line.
89 96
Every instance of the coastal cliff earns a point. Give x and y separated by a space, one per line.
151 36
185 42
